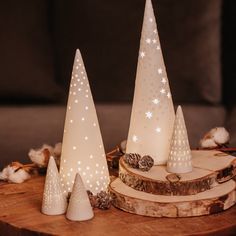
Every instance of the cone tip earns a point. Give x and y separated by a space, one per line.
149 3
179 108
78 177
51 159
78 53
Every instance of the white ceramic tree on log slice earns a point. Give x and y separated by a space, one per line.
79 208
54 201
180 155
82 147
152 115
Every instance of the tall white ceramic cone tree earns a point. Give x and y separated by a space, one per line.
54 201
82 147
152 115
180 155
79 208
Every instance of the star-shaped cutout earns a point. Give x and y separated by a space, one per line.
142 54
148 114
168 95
155 31
150 19
135 138
158 47
163 80
148 40
155 101
158 130
160 71
163 91
154 41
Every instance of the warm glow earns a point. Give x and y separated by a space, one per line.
82 148
152 115
180 155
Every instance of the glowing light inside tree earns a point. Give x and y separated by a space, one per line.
180 155
152 115
82 148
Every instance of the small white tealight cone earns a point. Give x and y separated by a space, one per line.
79 208
180 154
54 201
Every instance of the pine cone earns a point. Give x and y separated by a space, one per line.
103 200
132 159
145 163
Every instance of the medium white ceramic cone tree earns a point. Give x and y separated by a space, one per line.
79 208
152 115
54 201
180 154
82 147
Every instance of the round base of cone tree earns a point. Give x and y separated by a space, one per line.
175 169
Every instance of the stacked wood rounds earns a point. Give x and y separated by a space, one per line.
208 189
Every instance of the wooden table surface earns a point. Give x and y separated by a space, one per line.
20 215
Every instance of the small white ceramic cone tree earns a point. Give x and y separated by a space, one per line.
82 147
180 154
54 201
152 115
79 208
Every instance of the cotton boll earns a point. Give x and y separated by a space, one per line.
19 176
208 143
57 149
220 135
6 172
40 156
123 145
36 156
48 147
14 174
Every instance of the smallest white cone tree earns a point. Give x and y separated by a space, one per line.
54 201
180 154
79 208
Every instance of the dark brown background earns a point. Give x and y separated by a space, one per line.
38 40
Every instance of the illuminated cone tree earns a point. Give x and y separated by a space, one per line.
180 155
152 115
82 147
54 201
79 208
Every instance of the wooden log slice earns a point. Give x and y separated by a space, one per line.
211 201
209 169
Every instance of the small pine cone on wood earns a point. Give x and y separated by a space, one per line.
103 200
132 159
146 163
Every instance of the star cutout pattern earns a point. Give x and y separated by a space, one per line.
148 114
152 112
78 143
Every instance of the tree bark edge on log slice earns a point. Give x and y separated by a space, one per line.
198 207
168 188
180 188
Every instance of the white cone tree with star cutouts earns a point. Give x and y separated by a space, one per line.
79 208
82 147
54 201
152 115
180 154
